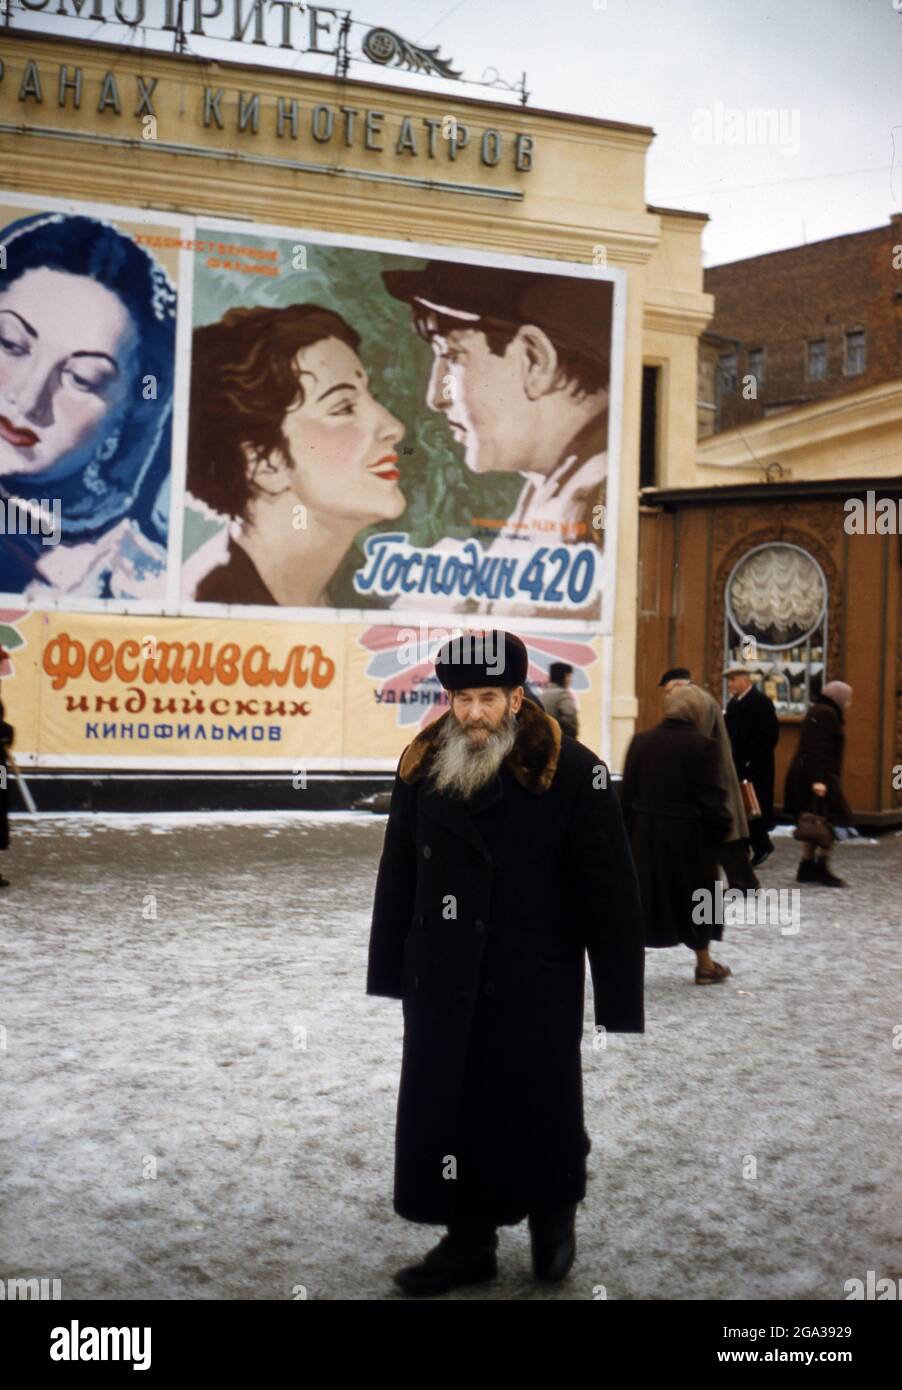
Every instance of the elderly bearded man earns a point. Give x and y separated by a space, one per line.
505 860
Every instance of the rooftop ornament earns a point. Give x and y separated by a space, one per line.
384 46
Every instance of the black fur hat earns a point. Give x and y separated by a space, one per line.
478 659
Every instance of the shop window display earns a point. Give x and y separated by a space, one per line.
776 623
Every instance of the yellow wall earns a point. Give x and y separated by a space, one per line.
854 436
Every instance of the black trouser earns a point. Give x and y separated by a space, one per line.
474 1230
759 839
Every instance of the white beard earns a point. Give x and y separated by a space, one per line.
460 767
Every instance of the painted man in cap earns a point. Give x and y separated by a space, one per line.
521 375
505 861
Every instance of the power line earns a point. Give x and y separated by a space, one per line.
780 183
432 28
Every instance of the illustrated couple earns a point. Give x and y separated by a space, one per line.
289 442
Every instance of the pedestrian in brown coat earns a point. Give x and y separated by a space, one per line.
676 816
733 853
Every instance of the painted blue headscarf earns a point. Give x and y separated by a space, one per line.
127 474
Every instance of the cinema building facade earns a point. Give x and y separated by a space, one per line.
220 613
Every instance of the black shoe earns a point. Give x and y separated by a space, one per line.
449 1265
824 877
760 858
806 872
553 1239
4 882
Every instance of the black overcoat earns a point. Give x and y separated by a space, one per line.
818 758
754 731
677 814
483 915
6 738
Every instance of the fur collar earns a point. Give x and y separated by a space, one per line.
533 759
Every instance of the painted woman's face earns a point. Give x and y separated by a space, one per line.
67 365
342 442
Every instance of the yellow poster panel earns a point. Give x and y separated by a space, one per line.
102 690
157 691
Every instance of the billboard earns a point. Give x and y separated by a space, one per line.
273 438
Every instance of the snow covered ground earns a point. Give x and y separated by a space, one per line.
183 996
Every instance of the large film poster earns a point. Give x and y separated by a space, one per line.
87 386
417 431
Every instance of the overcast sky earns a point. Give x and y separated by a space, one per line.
828 70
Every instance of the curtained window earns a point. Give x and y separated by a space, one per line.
776 623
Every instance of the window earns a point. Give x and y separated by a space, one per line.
726 371
776 623
855 352
648 430
756 366
817 359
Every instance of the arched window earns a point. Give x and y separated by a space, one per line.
776 623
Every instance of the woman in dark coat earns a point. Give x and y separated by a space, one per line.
6 738
676 814
814 777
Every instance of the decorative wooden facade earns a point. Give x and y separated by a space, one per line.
690 541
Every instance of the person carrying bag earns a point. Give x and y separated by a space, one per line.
813 793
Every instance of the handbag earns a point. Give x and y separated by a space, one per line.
814 828
750 799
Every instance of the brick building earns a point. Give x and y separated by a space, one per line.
749 554
808 324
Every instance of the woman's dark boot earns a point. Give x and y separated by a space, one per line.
824 876
553 1238
807 872
456 1260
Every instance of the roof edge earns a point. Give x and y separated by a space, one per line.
126 51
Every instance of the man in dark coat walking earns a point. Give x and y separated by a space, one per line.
505 861
754 731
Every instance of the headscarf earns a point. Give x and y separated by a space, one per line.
838 692
688 703
128 471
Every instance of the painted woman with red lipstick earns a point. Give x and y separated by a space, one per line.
87 336
287 440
